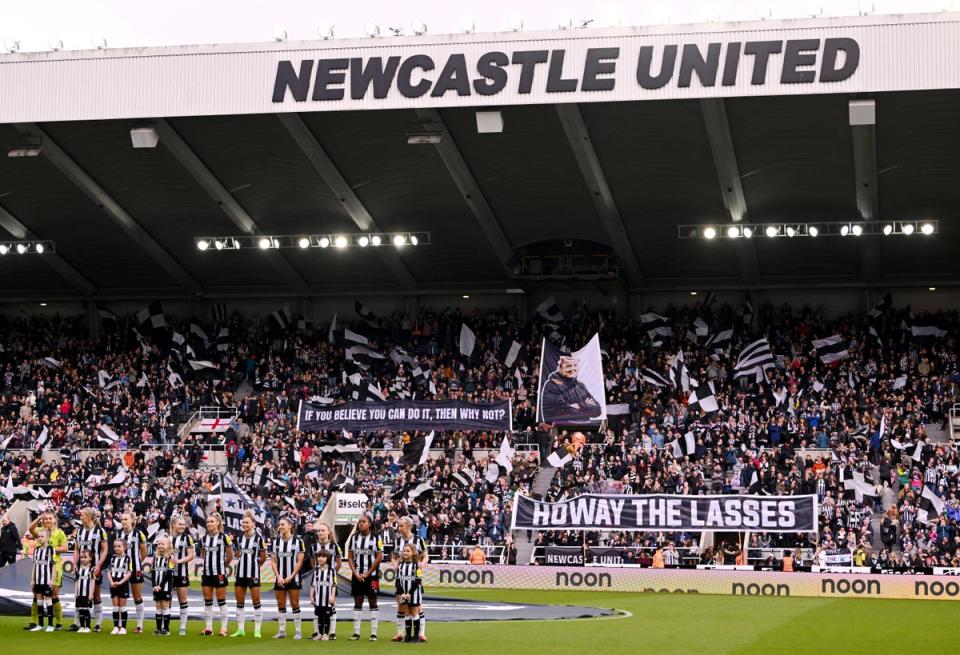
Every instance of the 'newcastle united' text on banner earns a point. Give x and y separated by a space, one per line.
663 512
424 415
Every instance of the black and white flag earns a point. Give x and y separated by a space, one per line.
719 342
754 360
152 317
52 362
42 439
223 340
218 311
680 375
685 446
876 316
698 330
468 341
197 330
831 349
560 457
504 458
856 487
656 325
417 451
106 314
550 311
931 506
282 319
103 483
235 502
653 378
366 314
413 491
464 477
703 399
106 434
511 353
201 364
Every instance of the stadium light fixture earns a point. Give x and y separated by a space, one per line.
813 230
418 27
857 230
280 34
99 42
772 231
304 242
854 228
264 243
372 30
340 241
466 296
326 30
21 248
375 240
424 137
932 288
203 244
363 241
844 230
11 45
927 228
733 231
324 242
55 43
4 249
887 230
399 241
747 233
693 293
467 24
144 137
515 23
25 151
907 228
39 248
791 231
414 240
709 232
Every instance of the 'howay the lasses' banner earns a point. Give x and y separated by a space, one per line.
665 512
405 415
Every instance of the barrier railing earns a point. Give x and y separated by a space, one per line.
447 554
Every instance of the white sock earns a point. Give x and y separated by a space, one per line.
401 625
423 624
282 619
316 622
184 616
241 617
224 617
296 619
374 621
208 615
257 617
333 620
357 616
139 608
98 612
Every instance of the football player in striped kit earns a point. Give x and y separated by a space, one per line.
364 553
326 543
406 537
85 581
410 590
216 549
323 594
287 560
93 538
121 572
163 570
136 549
42 580
184 550
251 551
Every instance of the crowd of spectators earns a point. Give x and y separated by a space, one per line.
805 428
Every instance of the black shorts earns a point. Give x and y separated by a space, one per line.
215 581
367 587
137 577
84 603
42 590
180 581
293 585
248 583
122 591
161 596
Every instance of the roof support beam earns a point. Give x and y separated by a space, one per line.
322 163
583 151
172 141
111 208
469 189
863 126
11 224
728 173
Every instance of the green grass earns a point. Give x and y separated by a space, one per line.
658 623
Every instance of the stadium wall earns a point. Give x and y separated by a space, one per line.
690 581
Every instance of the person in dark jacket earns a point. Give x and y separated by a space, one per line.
9 541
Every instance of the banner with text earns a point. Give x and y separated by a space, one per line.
664 512
563 555
423 415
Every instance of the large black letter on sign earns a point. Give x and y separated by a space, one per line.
493 77
600 61
831 47
555 81
693 61
287 78
761 50
329 71
361 76
408 90
793 59
528 60
666 68
453 76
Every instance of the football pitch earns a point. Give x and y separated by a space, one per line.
656 623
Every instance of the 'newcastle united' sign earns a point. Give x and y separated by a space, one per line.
663 512
405 415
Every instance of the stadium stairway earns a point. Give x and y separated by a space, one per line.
937 433
524 539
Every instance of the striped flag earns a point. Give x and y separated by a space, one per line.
656 325
679 374
653 378
685 446
931 506
464 477
549 310
698 330
754 360
831 349
106 314
417 451
718 343
511 353
560 457
366 314
106 434
219 312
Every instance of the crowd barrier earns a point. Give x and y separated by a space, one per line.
690 581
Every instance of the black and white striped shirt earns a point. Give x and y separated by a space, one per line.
120 565
286 551
215 553
163 568
419 545
133 539
247 552
85 582
43 565
324 581
410 581
332 550
365 549
91 539
182 546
